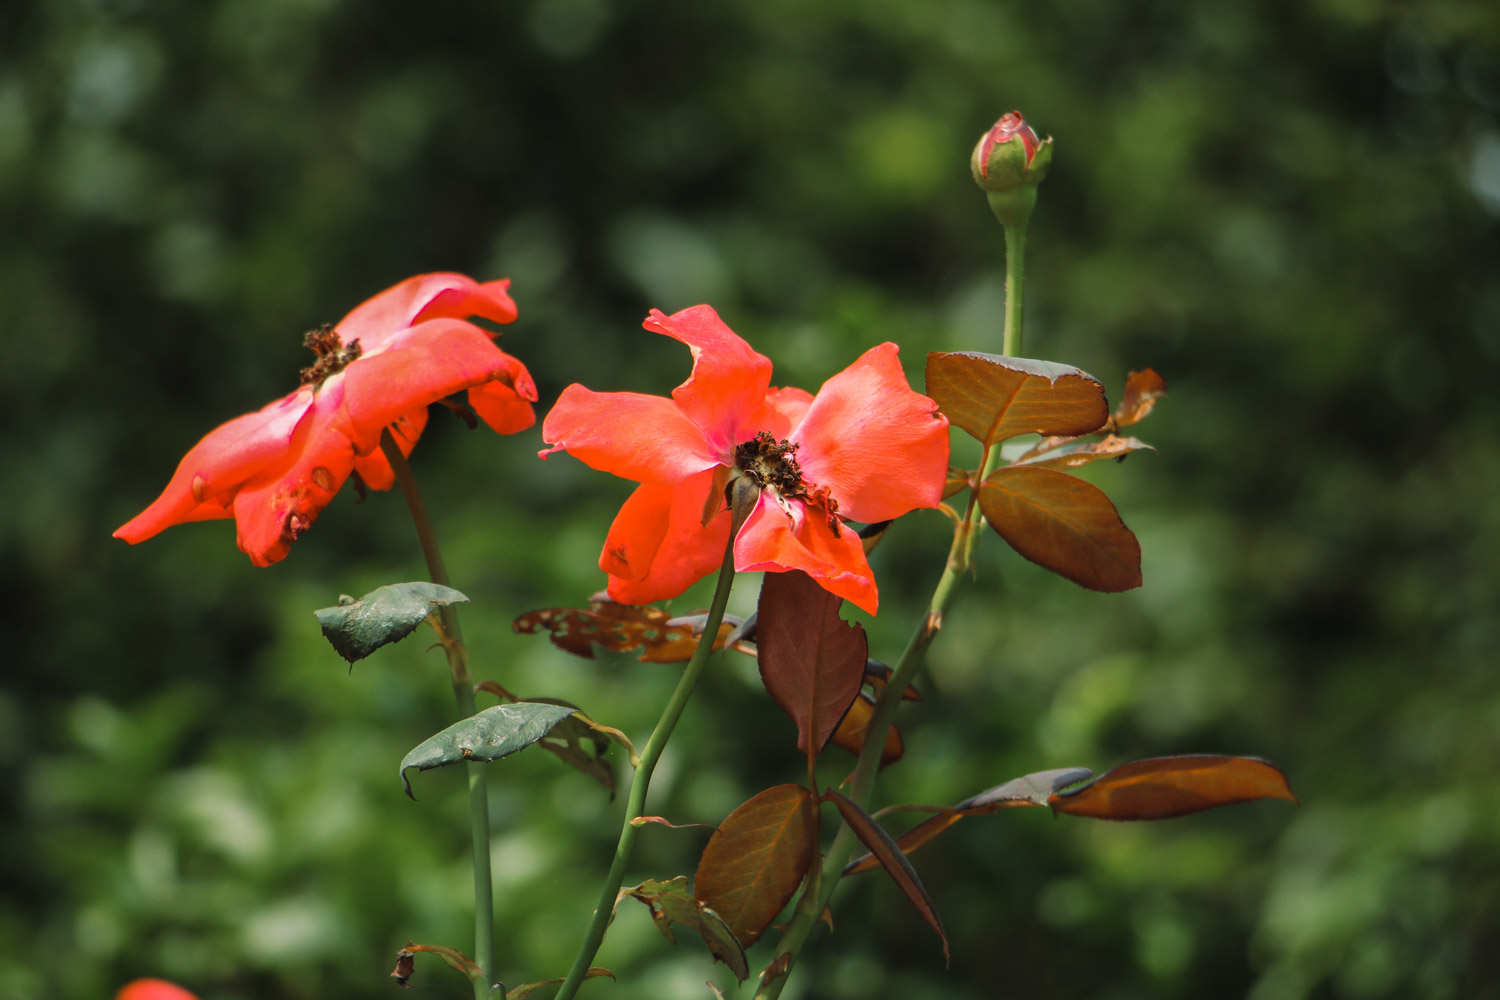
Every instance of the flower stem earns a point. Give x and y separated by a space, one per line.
819 893
635 802
463 691
1015 274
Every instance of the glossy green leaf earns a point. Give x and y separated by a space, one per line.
493 733
358 628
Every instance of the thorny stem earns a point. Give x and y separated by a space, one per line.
636 800
463 691
819 892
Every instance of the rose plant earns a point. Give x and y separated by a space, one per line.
733 475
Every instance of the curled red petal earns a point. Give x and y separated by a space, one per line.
729 379
777 539
881 448
504 402
421 366
216 467
629 434
658 545
441 295
153 989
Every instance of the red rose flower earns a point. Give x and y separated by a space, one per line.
866 447
153 989
275 470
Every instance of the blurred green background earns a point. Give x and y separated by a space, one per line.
1290 209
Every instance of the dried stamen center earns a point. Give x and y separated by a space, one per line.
772 464
333 354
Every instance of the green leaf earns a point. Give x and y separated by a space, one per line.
671 902
494 733
358 628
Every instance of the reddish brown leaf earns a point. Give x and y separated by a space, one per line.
1064 524
811 660
1072 453
618 628
1142 390
757 858
1163 787
1034 789
850 734
995 398
873 836
957 481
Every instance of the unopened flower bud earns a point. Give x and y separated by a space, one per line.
1008 162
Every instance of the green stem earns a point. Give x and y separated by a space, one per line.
635 802
1015 275
463 691
960 558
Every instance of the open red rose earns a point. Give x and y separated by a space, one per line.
866 447
275 470
153 989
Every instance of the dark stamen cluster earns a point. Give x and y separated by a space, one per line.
333 354
772 464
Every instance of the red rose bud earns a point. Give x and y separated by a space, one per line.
1008 162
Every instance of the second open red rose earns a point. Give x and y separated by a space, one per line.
866 448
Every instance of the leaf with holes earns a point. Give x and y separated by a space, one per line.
995 398
618 628
1163 787
873 836
1034 789
1070 453
671 902
850 734
357 628
493 733
1063 524
811 660
757 858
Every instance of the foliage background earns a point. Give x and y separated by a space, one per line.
1289 209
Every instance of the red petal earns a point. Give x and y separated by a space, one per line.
422 365
374 470
629 434
504 403
881 448
153 989
274 509
443 295
729 379
776 540
217 466
658 545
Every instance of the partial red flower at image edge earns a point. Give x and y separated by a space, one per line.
153 989
273 471
866 448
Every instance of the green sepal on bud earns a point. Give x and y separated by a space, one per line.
1008 163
